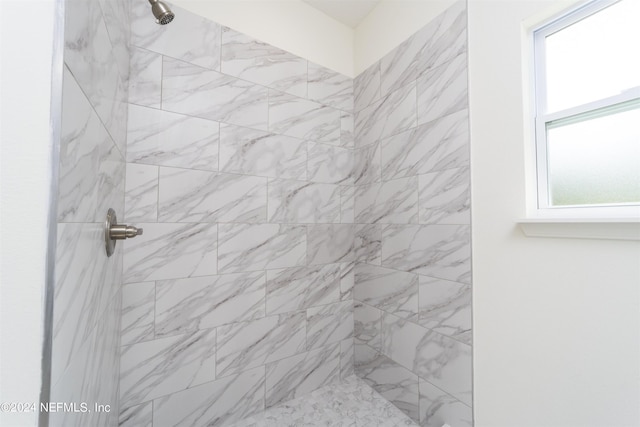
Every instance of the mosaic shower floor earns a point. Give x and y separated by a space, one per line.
351 403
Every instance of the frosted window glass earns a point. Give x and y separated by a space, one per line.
594 58
595 162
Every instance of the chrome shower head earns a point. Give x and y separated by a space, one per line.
162 12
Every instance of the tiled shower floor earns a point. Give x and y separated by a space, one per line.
351 403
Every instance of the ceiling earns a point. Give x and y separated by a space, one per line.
349 12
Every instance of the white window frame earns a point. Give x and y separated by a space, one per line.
620 102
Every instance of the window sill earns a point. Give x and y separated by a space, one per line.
582 228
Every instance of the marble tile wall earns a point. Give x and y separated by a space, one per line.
412 291
239 167
87 289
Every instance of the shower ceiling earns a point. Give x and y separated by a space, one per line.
349 12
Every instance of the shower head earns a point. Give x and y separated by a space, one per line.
161 11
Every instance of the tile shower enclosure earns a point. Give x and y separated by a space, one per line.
300 226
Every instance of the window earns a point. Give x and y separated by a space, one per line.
587 94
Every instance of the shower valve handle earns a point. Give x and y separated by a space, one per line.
114 232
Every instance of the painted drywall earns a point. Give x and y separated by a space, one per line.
25 70
389 24
556 321
290 25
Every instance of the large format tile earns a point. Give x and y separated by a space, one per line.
156 368
329 87
250 247
442 251
253 152
368 243
197 91
197 196
445 197
347 137
445 307
390 290
443 361
297 288
170 251
138 312
346 358
438 408
301 118
366 87
141 193
435 146
189 37
389 116
367 325
216 403
301 374
395 383
390 202
443 90
186 305
446 37
137 416
303 202
329 164
367 164
245 345
329 324
117 16
330 243
146 78
259 62
162 138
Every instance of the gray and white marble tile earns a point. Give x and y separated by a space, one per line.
446 36
395 383
445 197
347 280
329 164
141 193
390 202
330 88
389 116
330 243
190 37
347 136
82 135
170 251
441 251
137 416
444 362
445 307
245 345
367 167
117 15
366 87
187 305
162 138
138 312
259 62
329 324
303 202
145 81
347 204
367 327
438 408
163 366
298 117
196 91
197 196
301 374
291 289
90 57
216 403
111 181
253 152
368 243
389 290
435 146
346 358
400 66
443 90
250 247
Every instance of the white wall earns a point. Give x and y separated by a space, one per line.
556 321
26 31
289 24
389 24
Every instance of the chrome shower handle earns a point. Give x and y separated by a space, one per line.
114 231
